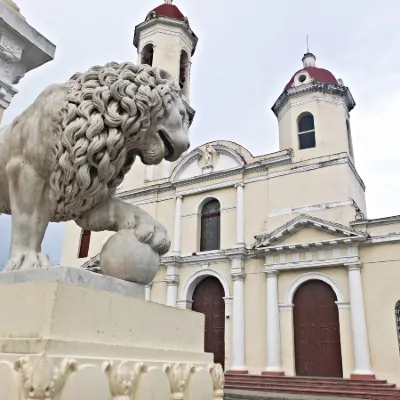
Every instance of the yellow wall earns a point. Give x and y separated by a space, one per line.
381 277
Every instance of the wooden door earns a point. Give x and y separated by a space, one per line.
316 331
208 299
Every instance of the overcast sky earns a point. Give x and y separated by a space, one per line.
247 52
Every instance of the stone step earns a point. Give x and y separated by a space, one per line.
335 381
321 385
254 395
333 391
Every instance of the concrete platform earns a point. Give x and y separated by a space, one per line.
75 276
254 395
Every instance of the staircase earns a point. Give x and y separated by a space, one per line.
358 389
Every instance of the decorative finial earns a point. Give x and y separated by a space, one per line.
308 47
168 1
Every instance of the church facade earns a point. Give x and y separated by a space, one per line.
276 250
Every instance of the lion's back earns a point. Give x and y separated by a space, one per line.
36 130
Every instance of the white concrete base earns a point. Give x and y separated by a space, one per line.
62 341
76 276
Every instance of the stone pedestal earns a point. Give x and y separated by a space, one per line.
68 337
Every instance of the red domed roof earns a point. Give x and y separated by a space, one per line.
169 11
319 74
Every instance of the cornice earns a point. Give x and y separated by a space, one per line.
177 23
338 90
389 238
261 165
395 219
265 241
308 264
247 253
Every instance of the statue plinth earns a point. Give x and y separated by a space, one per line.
67 337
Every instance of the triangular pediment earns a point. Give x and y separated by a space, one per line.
306 230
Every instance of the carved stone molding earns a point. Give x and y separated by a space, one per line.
10 49
178 376
123 378
41 379
218 379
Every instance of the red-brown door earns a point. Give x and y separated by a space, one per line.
208 299
316 331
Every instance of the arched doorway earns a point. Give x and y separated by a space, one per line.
317 331
208 300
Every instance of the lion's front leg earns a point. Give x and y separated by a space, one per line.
115 215
30 215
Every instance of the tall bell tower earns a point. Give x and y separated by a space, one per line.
166 40
314 113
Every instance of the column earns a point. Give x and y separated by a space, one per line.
147 292
362 362
240 214
274 357
149 173
237 272
178 226
172 279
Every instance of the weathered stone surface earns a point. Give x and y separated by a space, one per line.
124 257
74 276
133 111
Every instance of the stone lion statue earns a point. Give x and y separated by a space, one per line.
64 157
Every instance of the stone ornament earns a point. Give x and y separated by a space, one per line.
218 379
122 251
98 122
123 378
41 379
45 379
178 376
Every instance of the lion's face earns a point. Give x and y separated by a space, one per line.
167 138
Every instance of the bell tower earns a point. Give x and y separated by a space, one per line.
166 40
314 113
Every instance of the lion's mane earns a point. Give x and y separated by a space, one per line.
96 135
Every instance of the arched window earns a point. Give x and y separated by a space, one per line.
183 72
306 131
397 313
349 139
84 244
210 226
148 54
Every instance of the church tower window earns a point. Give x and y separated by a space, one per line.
84 244
349 139
210 226
306 131
148 54
397 313
183 72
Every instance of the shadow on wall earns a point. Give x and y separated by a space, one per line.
52 243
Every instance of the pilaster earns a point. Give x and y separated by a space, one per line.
240 214
238 317
172 279
274 356
147 292
362 360
178 226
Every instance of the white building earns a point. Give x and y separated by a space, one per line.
276 249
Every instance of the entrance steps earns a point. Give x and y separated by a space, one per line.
334 387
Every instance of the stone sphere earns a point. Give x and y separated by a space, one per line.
124 257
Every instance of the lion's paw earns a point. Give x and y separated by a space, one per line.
27 260
151 232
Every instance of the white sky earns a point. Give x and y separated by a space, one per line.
247 52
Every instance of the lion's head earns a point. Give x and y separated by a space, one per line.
167 136
112 114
